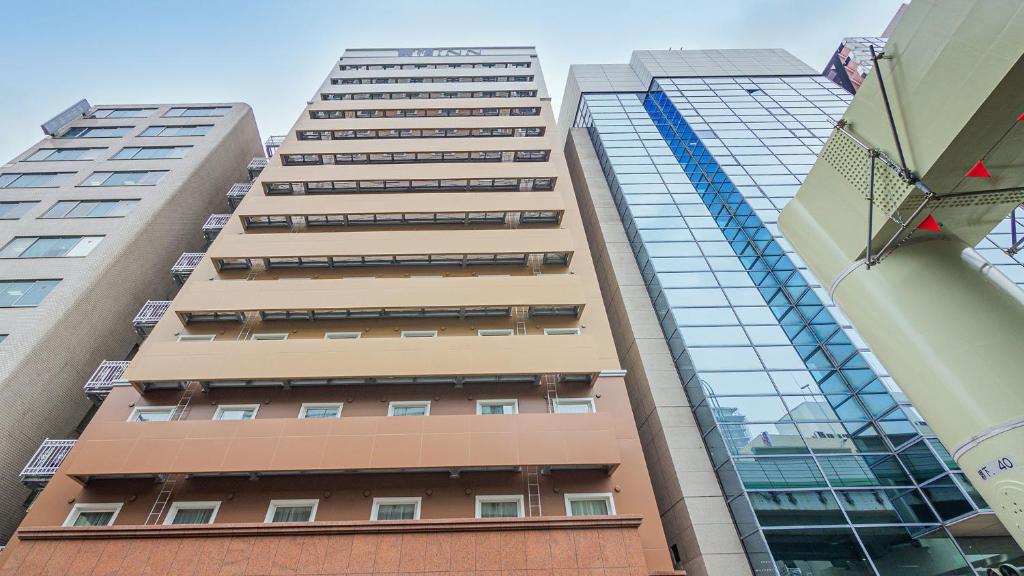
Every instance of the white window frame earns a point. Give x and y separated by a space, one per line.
417 500
419 333
342 335
196 337
571 401
193 505
114 507
307 405
140 409
495 332
404 403
269 336
222 407
518 498
607 496
561 331
275 504
497 401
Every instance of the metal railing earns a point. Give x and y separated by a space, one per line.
214 224
185 265
149 315
272 144
236 193
102 380
256 165
45 462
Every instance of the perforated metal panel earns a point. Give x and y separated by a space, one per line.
852 161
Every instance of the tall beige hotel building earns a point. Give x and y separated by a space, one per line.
394 359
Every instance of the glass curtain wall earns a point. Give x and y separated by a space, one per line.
827 467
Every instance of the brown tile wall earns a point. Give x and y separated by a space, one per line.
605 551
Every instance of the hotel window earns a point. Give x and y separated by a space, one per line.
561 331
150 152
196 337
269 336
90 209
15 210
192 513
57 154
396 509
497 406
499 506
419 333
151 414
122 113
342 335
194 130
23 293
291 511
574 406
409 408
320 411
589 504
49 247
34 179
495 332
93 514
193 112
133 178
97 132
236 412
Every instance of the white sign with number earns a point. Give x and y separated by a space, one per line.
996 467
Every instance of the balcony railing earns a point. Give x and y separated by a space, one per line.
185 265
44 463
149 315
236 193
256 165
214 224
272 144
102 380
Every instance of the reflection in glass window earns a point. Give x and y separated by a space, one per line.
813 551
18 293
796 508
90 209
49 247
133 178
894 550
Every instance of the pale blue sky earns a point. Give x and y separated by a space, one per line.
273 55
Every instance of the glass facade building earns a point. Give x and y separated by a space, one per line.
826 467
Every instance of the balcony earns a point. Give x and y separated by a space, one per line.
341 299
413 248
214 224
272 144
256 166
150 313
102 380
185 265
446 360
236 193
366 212
442 444
577 544
44 463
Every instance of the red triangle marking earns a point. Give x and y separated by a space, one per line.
1020 118
978 171
930 224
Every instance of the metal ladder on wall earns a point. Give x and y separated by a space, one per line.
533 491
550 382
536 262
163 497
246 331
519 316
